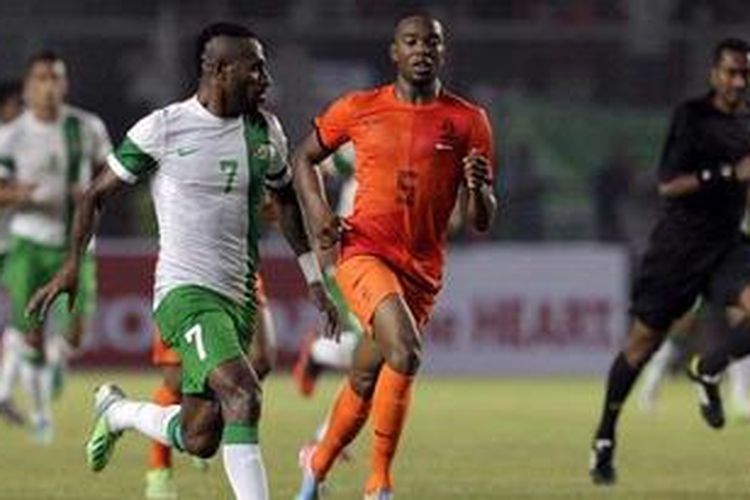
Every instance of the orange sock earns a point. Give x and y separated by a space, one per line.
349 414
160 456
391 404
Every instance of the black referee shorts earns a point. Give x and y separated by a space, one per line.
674 274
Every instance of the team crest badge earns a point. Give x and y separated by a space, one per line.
263 152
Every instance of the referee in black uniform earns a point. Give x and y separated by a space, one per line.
696 248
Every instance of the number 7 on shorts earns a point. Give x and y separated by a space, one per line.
195 335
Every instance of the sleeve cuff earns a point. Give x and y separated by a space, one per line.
119 170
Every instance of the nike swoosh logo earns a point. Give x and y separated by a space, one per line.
186 151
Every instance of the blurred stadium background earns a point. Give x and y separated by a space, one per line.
579 92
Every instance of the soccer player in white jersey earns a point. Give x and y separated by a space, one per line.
11 107
48 155
209 159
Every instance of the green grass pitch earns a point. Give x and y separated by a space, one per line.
466 439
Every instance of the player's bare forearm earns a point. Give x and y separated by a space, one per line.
290 219
317 212
687 184
85 220
682 185
88 208
481 207
9 195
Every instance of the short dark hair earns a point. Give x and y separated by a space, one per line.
424 14
43 56
731 45
9 90
215 30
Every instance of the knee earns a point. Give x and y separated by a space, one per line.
405 358
262 364
201 444
641 345
241 403
363 382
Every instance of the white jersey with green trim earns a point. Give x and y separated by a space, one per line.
5 215
208 176
57 158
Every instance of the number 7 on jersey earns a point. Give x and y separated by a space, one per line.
229 167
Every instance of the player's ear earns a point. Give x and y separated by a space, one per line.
713 76
393 51
65 86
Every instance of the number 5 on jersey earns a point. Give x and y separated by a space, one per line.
195 336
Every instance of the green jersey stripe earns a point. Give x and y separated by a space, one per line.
8 163
74 151
133 159
256 138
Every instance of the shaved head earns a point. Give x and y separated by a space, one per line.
220 50
232 68
225 49
422 18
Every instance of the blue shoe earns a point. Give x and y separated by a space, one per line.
382 494
310 489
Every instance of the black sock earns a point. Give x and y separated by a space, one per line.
622 376
735 346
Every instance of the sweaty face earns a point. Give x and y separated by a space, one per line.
248 77
418 49
46 85
729 76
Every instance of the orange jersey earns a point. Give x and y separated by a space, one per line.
408 168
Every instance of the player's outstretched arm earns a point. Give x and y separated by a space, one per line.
481 204
687 184
682 185
16 195
293 227
85 221
324 225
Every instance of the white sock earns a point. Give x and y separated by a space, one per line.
145 417
243 465
657 368
330 353
58 351
11 362
38 384
737 375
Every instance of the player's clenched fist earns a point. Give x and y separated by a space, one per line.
742 169
476 170
330 233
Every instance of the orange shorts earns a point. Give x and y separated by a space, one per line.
162 355
366 280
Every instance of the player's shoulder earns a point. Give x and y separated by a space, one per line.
15 126
364 98
461 104
175 111
273 122
693 108
87 118
158 120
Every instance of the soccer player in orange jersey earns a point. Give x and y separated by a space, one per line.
416 146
